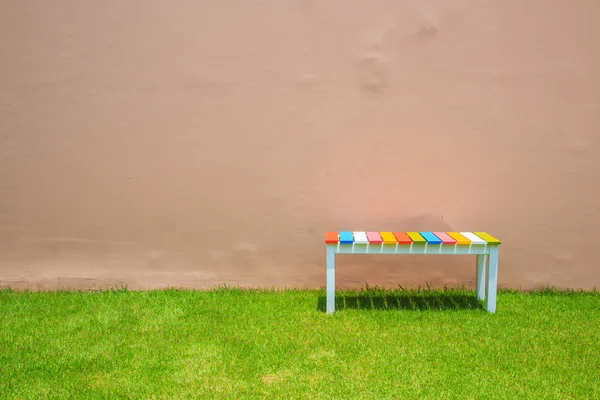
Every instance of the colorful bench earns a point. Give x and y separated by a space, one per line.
460 243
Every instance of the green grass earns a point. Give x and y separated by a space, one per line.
233 344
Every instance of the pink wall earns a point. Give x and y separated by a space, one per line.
195 143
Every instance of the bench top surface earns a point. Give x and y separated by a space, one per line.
441 238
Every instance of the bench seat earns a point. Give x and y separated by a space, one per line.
445 238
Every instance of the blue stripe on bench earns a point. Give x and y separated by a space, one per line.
346 238
431 238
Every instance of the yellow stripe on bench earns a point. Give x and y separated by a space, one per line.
388 237
487 237
416 237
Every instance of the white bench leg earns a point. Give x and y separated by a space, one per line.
492 281
480 276
330 279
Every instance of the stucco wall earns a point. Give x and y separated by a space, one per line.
196 143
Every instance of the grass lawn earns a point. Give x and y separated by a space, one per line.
233 344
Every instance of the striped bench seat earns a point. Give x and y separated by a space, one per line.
481 244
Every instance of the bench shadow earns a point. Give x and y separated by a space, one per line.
409 301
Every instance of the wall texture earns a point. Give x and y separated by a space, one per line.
196 143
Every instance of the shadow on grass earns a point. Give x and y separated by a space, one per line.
403 301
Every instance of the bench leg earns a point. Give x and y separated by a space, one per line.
480 276
492 281
330 279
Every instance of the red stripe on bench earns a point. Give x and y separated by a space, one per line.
331 237
402 238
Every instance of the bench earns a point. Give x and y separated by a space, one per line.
482 244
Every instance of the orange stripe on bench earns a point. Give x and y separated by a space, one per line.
374 237
402 238
331 237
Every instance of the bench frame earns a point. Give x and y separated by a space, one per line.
487 256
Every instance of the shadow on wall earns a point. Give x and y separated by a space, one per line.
412 301
383 221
